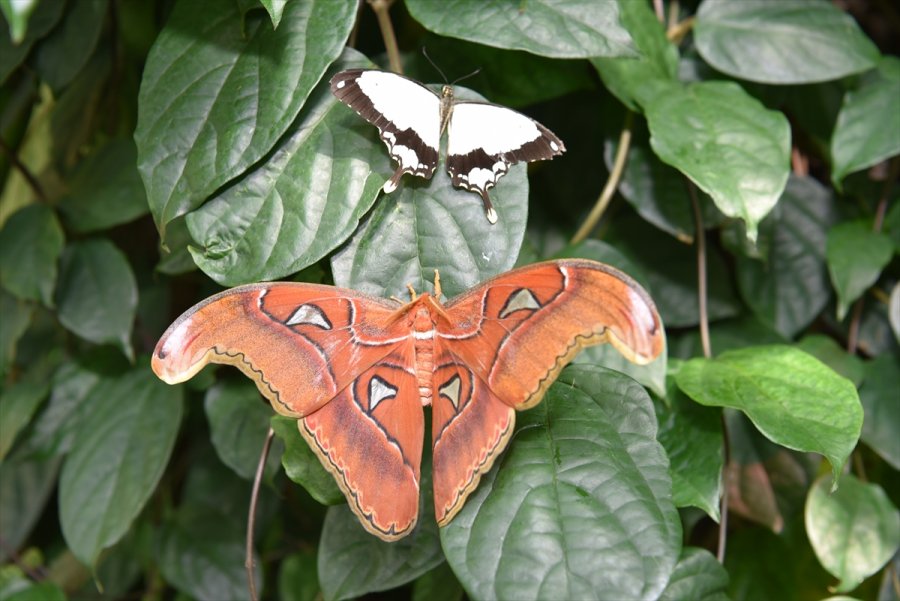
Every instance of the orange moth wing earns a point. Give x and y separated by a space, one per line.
357 370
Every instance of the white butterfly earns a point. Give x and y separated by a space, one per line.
483 139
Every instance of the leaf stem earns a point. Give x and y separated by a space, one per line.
700 239
382 13
251 514
611 183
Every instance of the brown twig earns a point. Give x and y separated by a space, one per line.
612 182
658 9
251 514
700 239
382 13
354 33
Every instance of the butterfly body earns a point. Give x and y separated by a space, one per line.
483 139
357 370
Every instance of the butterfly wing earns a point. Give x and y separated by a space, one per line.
333 357
512 335
406 113
485 139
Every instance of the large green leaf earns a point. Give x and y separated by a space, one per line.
791 287
854 530
302 466
792 397
583 487
30 244
60 57
868 127
697 576
201 552
789 41
726 142
428 225
16 15
119 455
352 562
440 584
25 487
20 401
632 80
239 422
692 437
573 29
856 255
833 355
301 202
755 561
882 411
106 190
97 293
219 89
16 317
298 579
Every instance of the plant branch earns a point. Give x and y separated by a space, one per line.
880 212
612 182
28 175
251 514
659 10
700 239
723 503
382 13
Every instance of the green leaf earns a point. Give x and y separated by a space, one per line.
793 398
727 143
428 225
30 244
119 455
790 41
697 576
724 336
301 202
38 591
352 562
106 190
856 255
879 400
302 466
658 192
298 579
16 317
12 53
830 353
791 288
218 91
635 80
507 77
16 13
854 530
755 561
20 401
25 487
439 584
868 127
66 51
573 29
97 293
239 424
692 437
583 486
893 311
201 553
275 9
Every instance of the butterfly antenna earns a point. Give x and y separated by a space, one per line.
433 64
472 74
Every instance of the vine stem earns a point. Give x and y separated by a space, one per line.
612 182
702 306
382 13
880 212
32 181
251 513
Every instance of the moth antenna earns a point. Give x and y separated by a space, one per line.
437 284
433 64
412 292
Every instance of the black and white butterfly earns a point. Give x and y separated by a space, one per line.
483 139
